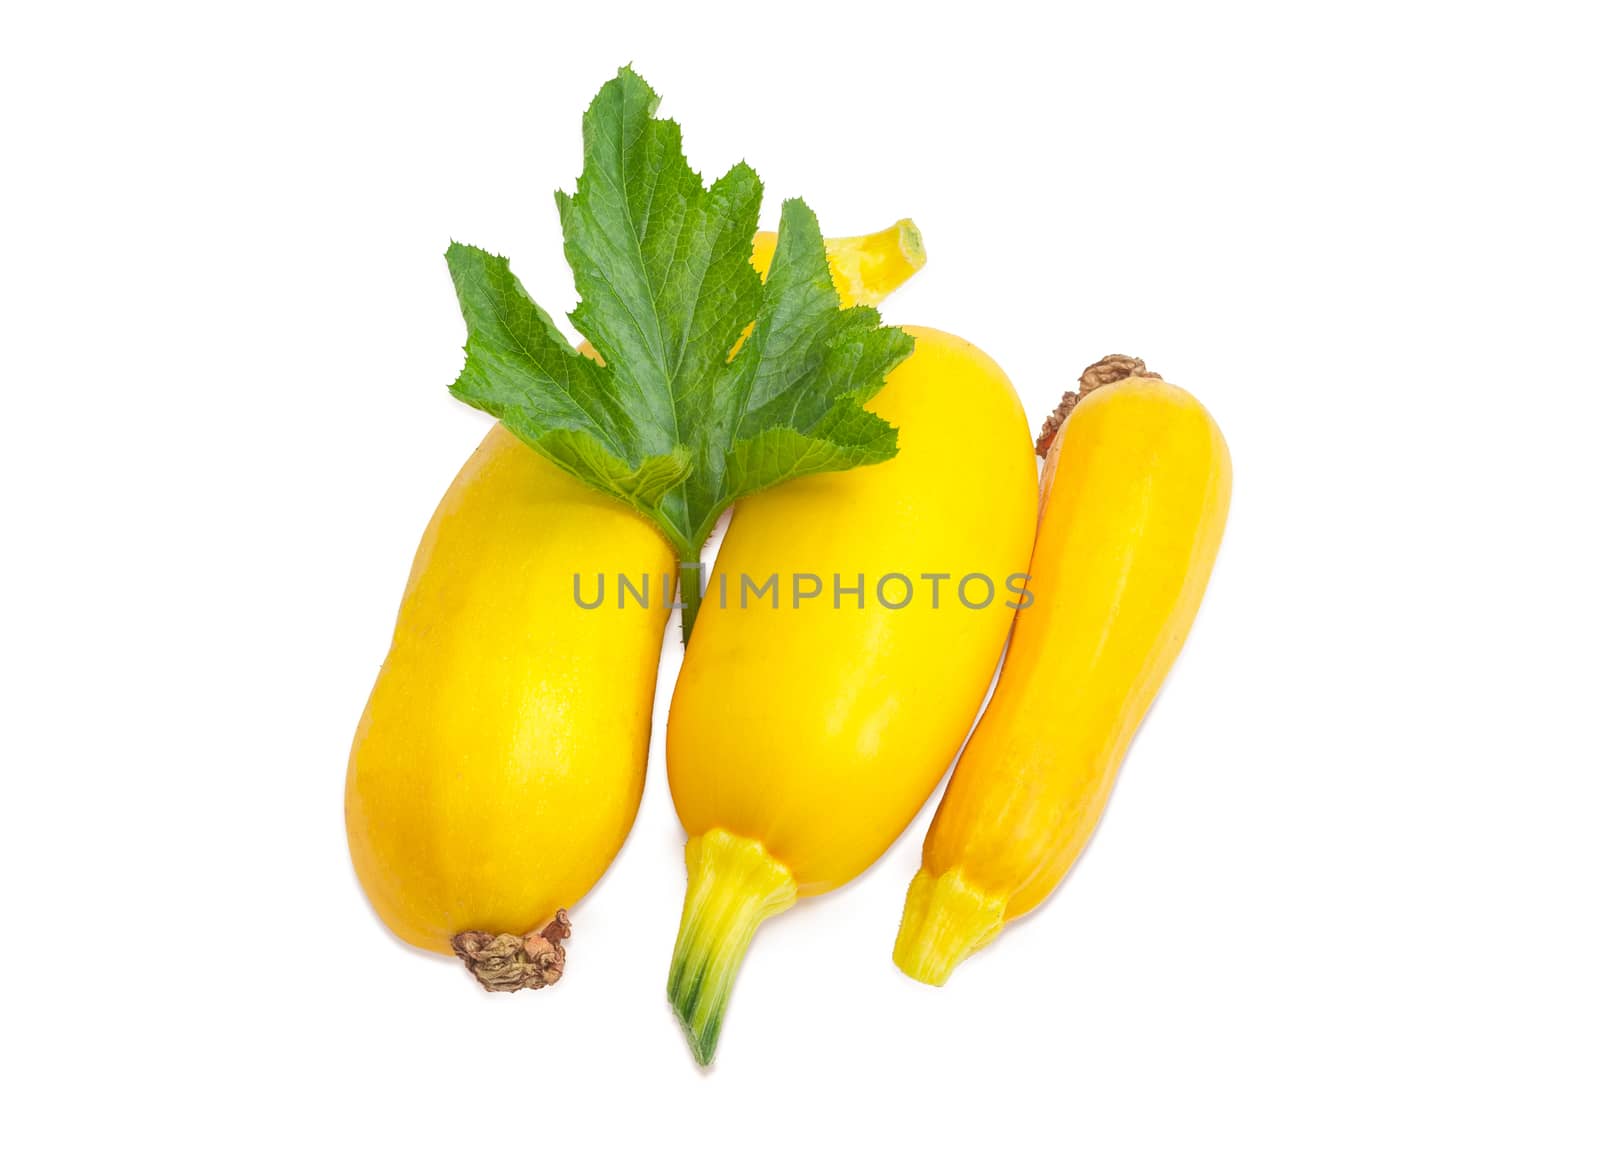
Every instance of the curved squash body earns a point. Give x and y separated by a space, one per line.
803 738
1136 492
500 760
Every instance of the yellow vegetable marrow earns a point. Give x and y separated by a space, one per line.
499 763
1136 488
806 731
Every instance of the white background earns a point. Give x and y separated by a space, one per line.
1343 910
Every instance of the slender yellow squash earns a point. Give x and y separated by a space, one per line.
500 760
1136 488
809 724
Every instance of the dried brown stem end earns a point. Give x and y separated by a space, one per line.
504 962
1111 369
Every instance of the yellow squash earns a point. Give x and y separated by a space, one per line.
810 723
1136 488
499 763
498 766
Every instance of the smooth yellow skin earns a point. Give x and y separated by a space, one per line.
500 760
820 732
1136 490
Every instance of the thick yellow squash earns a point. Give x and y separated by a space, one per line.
809 725
500 760
1136 489
499 764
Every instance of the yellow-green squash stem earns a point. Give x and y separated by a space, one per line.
946 921
868 268
734 885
